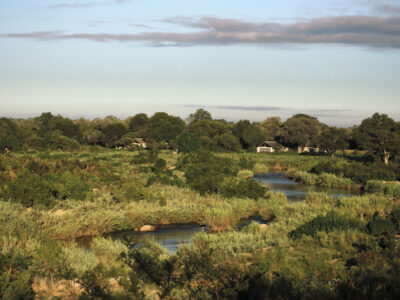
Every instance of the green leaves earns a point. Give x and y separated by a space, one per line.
379 134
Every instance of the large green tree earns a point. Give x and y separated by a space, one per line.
10 135
332 139
188 142
300 131
112 133
272 128
238 129
138 124
66 127
380 135
200 115
164 128
253 135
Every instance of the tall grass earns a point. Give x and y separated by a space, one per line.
391 189
324 180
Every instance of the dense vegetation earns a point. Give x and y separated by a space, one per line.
60 180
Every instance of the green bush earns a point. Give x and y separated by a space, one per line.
356 171
31 190
379 225
243 188
136 192
165 179
15 280
388 188
160 164
34 190
205 172
245 174
327 223
37 167
246 164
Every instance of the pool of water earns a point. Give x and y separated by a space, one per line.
172 236
295 191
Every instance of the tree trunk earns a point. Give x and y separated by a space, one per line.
386 156
300 149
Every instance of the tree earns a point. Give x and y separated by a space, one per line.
238 129
100 124
164 128
380 135
228 142
332 139
205 172
112 133
272 128
66 127
139 123
188 142
10 135
300 131
253 135
199 115
88 133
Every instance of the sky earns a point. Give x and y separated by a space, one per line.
337 60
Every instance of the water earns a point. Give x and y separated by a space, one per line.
295 191
171 237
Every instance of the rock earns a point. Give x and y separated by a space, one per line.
263 226
59 212
145 228
12 175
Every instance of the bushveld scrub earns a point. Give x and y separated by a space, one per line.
324 180
340 247
391 189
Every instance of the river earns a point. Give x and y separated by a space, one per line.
171 237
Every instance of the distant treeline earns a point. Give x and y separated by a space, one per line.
379 134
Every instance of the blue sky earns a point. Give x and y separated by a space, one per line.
337 60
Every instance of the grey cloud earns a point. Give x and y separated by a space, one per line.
83 5
388 9
238 107
334 110
349 30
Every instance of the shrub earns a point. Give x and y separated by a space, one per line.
31 190
165 179
205 172
95 284
357 171
160 164
327 223
245 174
72 187
15 281
135 192
145 157
34 190
246 164
37 167
243 188
388 188
379 225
